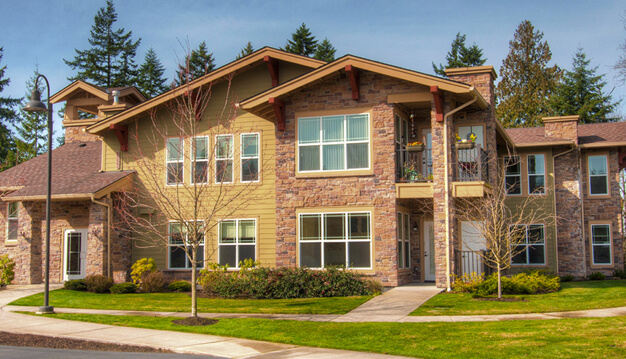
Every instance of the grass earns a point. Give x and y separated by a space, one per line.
181 302
572 296
562 338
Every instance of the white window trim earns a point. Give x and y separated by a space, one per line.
242 158
610 245
230 157
606 175
201 247
237 244
346 240
192 168
167 161
10 218
527 245
543 173
344 143
517 158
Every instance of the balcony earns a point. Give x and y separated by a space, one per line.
472 171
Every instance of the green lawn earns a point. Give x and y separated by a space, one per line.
561 338
181 302
572 296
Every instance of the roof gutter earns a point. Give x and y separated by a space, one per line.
475 97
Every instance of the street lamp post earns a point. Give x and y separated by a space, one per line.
35 105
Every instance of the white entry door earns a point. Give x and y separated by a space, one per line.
429 251
74 254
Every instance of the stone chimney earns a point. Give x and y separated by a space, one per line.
481 77
562 127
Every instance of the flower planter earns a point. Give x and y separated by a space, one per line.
465 145
415 148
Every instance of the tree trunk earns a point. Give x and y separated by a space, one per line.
194 296
499 282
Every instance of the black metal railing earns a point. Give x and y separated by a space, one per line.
414 166
472 164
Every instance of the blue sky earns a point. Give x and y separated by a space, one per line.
409 34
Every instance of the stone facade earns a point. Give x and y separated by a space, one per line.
78 134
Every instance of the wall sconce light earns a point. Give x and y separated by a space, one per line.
415 227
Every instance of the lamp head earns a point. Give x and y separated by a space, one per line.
35 104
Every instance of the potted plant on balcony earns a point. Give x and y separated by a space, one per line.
410 172
415 146
465 144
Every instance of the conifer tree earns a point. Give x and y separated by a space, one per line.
110 60
7 116
620 65
325 51
527 82
197 64
461 56
245 51
302 42
150 79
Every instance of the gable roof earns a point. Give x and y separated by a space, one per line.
218 75
258 103
610 134
75 175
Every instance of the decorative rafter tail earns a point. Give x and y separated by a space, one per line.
353 75
279 112
438 100
272 67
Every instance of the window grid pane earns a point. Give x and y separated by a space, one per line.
531 251
180 240
174 160
236 242
250 157
598 175
536 174
601 244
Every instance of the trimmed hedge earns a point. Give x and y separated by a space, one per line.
179 286
283 283
98 283
124 288
75 284
522 283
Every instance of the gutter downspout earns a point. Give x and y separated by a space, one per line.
108 206
447 180
556 222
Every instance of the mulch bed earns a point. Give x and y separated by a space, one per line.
42 341
503 299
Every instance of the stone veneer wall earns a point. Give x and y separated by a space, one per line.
77 134
376 190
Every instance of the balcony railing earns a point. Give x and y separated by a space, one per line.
472 164
414 166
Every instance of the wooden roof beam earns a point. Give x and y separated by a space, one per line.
438 100
279 112
121 132
272 67
353 75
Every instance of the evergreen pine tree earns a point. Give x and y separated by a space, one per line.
31 131
302 42
461 56
7 116
527 82
620 65
150 79
201 62
245 51
325 51
580 93
110 60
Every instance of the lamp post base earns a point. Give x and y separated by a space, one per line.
45 310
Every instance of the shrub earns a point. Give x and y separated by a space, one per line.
597 276
6 270
124 288
619 273
179 286
98 283
75 284
140 267
567 278
523 283
152 282
467 283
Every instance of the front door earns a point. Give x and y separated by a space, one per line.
429 251
75 254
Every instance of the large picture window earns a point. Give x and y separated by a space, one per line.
249 157
598 175
180 242
532 250
237 241
513 175
536 174
335 239
333 143
601 244
200 166
12 220
174 160
224 159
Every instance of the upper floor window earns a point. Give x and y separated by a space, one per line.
601 244
224 158
249 157
333 143
174 160
598 175
180 244
536 174
237 241
12 220
532 249
513 175
200 166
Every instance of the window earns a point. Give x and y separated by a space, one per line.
174 160
598 176
237 241
200 166
404 253
249 157
333 143
532 249
513 175
179 240
12 220
224 159
536 174
601 244
335 239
